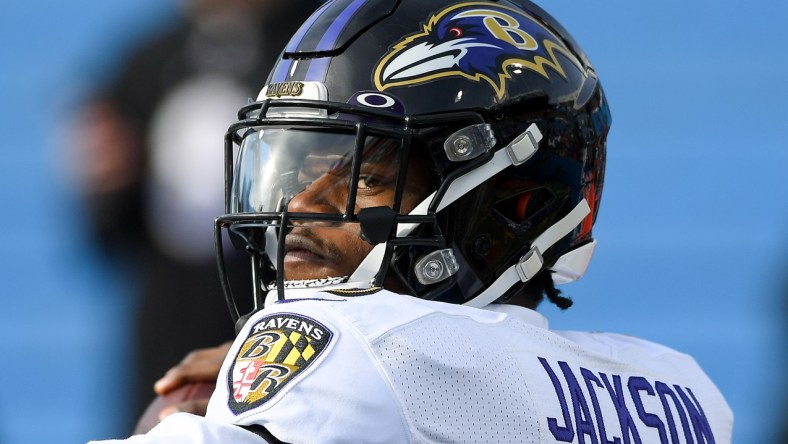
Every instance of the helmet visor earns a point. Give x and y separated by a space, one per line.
310 171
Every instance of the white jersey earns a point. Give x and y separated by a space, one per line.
375 367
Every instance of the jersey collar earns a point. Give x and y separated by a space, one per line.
524 314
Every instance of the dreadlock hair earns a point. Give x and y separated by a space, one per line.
539 287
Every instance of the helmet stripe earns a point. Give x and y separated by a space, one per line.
295 42
319 66
284 65
332 33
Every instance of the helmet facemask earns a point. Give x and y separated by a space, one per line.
291 204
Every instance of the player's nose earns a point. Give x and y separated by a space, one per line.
326 194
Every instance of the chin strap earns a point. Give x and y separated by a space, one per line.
520 150
532 262
569 266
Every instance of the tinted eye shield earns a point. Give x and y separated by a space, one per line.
304 139
274 165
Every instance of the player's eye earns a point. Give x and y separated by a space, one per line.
368 182
455 32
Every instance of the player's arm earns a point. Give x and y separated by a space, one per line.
201 365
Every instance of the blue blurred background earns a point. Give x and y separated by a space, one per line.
693 229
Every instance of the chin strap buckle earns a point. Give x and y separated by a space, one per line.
530 264
525 145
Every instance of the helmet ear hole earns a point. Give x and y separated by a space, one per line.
519 210
522 206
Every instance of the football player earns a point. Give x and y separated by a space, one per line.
414 179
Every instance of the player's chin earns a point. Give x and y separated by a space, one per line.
309 270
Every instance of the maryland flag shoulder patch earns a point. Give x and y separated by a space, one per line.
279 348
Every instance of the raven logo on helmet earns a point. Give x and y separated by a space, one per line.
480 41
